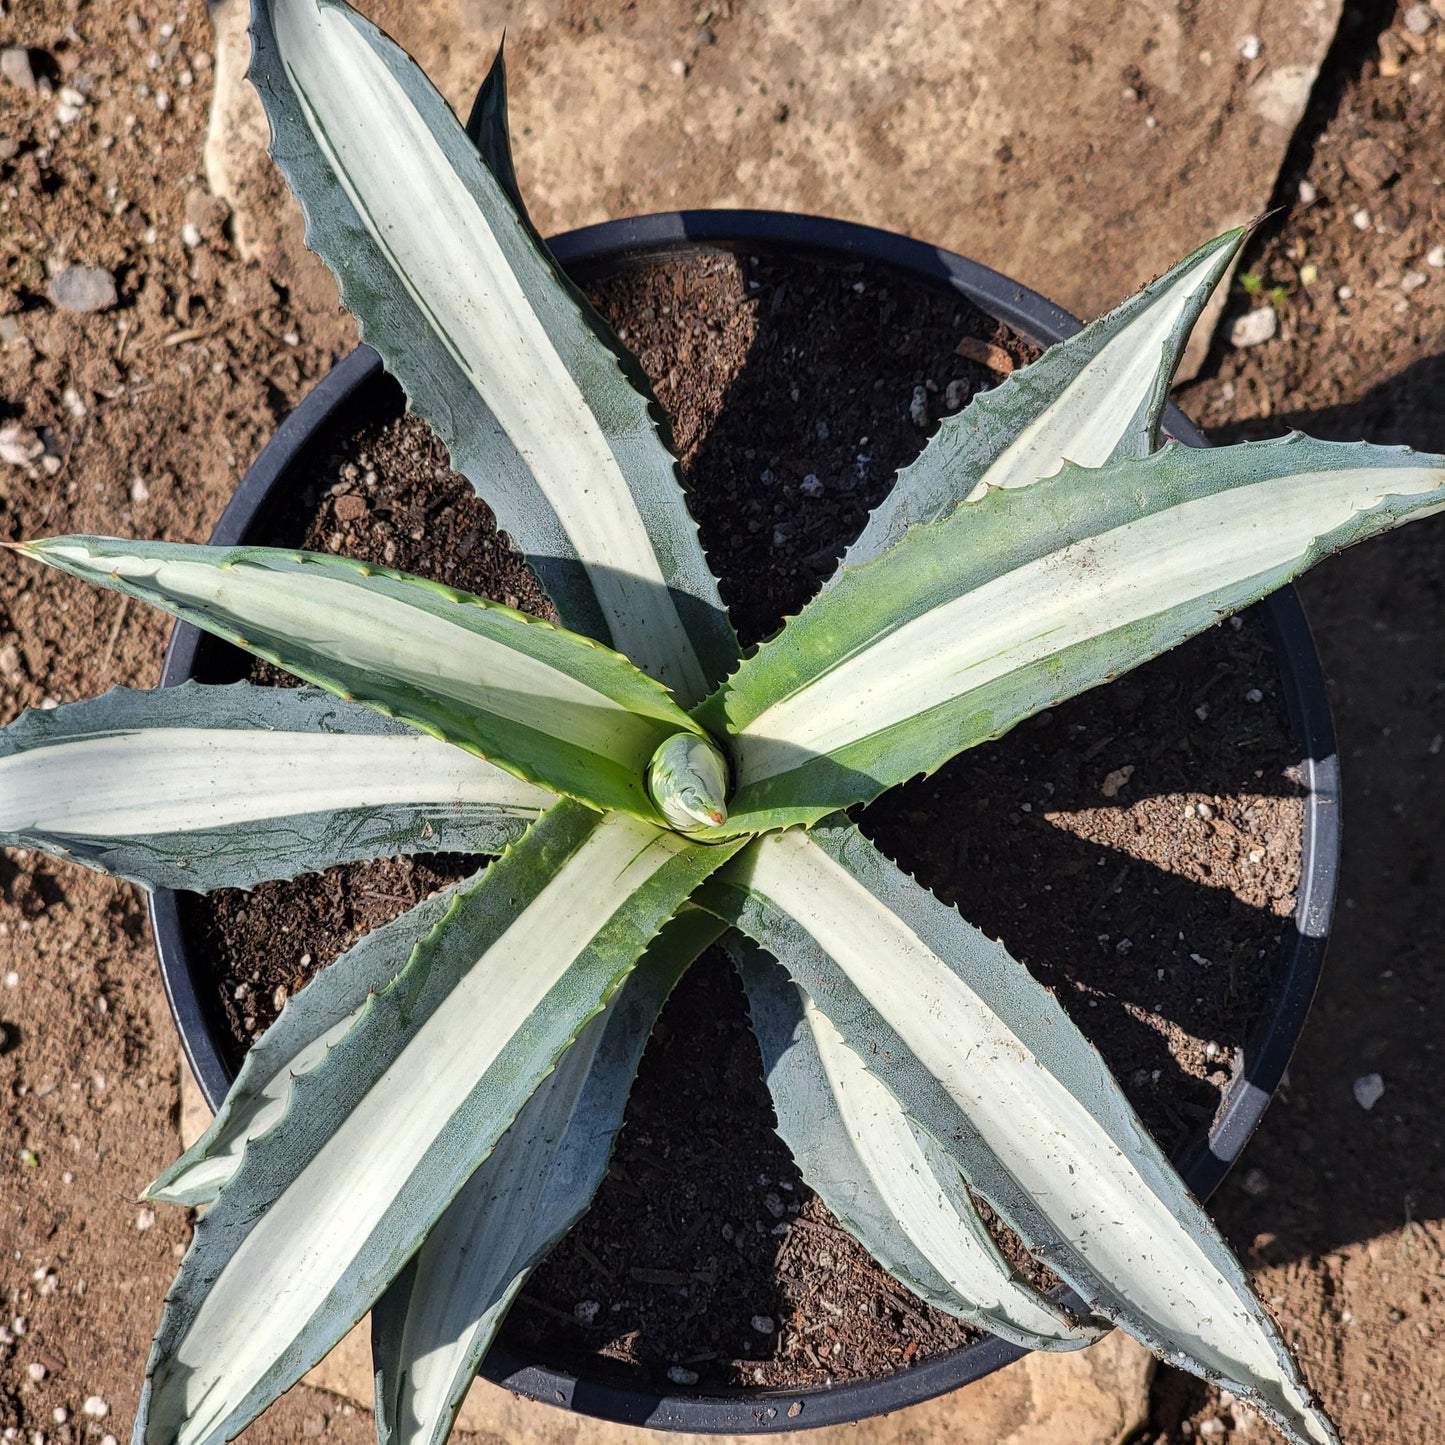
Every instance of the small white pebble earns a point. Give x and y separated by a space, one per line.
1254 695
1211 1050
1368 1089
190 235
145 1220
20 1324
1413 280
60 1414
35 1370
1204 810
1202 711
1307 193
763 1324
163 101
1254 327
1435 257
139 492
1361 218
918 408
586 1311
1256 1182
1250 47
12 979
680 1376
108 1440
679 69
810 486
1418 19
1345 293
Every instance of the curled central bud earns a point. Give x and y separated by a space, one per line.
688 781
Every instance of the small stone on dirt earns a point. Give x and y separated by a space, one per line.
1116 780
16 68
1371 164
679 1376
19 445
95 1407
1368 1091
1256 1182
1254 327
955 394
82 289
763 1324
1250 47
145 1219
585 1311
1418 19
918 408
313 1424
350 508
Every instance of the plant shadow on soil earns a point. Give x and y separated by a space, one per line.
1379 617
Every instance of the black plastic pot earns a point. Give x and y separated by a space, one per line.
589 255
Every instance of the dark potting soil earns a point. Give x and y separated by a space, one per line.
1137 848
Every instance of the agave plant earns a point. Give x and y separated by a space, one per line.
430 1114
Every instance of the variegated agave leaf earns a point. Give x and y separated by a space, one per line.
223 787
988 1063
386 1129
547 705
1029 596
468 311
433 1326
309 1025
889 1182
1093 399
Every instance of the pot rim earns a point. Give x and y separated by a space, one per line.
607 248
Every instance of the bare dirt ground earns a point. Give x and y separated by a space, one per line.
146 412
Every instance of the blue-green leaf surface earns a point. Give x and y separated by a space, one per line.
469 312
328 1206
1013 603
433 1326
309 1025
889 1183
1092 399
986 1061
548 705
223 787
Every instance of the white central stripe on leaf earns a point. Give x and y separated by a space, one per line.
396 641
1135 571
901 1173
1045 1137
177 780
443 250
302 1246
1086 421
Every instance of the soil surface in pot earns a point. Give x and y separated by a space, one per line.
1136 848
